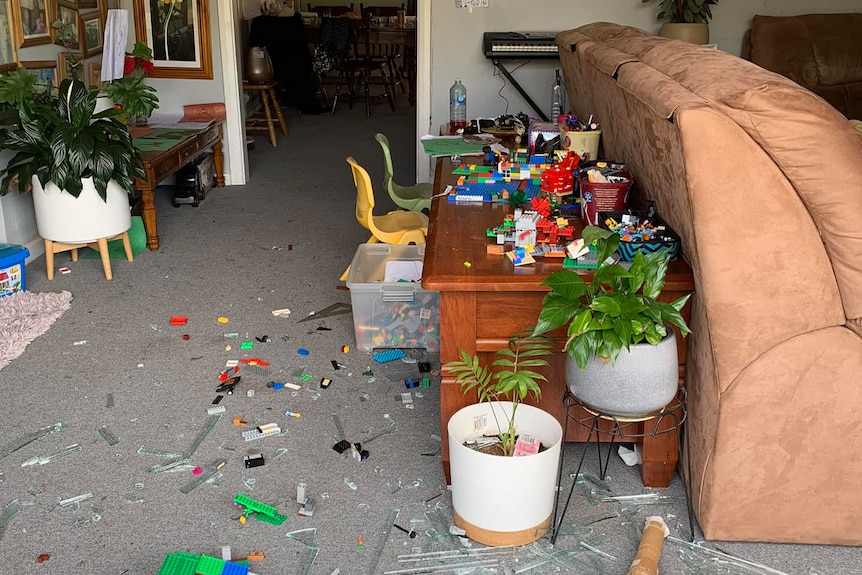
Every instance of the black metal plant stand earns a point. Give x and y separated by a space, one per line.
623 430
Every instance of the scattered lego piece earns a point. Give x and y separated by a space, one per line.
260 432
426 382
292 414
222 320
424 366
261 511
179 320
468 265
253 460
254 361
410 383
300 493
216 409
186 337
218 399
239 421
325 383
224 375
358 453
246 345
257 370
264 339
281 312
302 351
197 471
65 271
233 335
389 355
368 373
345 349
337 366
323 328
405 397
225 552
249 393
360 543
42 557
307 510
341 446
255 556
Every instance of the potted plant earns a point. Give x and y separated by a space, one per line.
503 498
135 99
80 165
622 354
686 20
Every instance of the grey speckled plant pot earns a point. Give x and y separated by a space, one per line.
643 380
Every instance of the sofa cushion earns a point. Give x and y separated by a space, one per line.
788 122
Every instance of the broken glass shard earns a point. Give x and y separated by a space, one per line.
109 437
29 438
212 420
43 459
73 500
350 484
159 453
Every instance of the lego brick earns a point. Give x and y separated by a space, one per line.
179 564
234 569
210 566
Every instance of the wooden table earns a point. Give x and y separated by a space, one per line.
160 165
482 305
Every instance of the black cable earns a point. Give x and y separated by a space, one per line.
500 91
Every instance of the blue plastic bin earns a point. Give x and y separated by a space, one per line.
12 268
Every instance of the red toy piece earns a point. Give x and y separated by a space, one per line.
179 320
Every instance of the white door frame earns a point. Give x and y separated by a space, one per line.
236 170
423 87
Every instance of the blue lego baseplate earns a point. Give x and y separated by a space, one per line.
489 193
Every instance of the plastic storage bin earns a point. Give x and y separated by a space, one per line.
388 313
12 258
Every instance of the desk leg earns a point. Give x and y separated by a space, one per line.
218 163
660 454
457 332
148 211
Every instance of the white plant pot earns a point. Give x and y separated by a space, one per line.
61 217
503 500
644 379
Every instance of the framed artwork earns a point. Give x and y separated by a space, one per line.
69 15
64 66
44 70
31 22
94 75
178 33
92 25
87 4
8 52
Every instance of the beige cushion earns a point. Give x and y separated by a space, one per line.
821 155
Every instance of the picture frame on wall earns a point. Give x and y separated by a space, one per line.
44 70
94 75
65 66
178 33
8 47
68 13
87 4
31 22
92 33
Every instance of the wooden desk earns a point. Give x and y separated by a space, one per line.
160 165
481 306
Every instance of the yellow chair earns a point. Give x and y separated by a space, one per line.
397 227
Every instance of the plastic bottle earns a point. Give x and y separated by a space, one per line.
557 97
457 106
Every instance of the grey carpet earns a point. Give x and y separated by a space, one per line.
280 242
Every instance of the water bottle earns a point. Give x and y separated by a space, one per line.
557 97
457 106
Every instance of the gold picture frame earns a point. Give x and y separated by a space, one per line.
178 33
91 33
44 70
94 75
69 13
31 25
8 46
64 66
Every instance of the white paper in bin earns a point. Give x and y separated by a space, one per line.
403 270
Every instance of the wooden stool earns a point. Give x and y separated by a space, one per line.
100 245
267 95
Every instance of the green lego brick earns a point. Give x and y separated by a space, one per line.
210 566
274 519
180 564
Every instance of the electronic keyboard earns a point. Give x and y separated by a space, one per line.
520 45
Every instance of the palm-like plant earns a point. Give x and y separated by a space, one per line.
685 11
62 141
508 377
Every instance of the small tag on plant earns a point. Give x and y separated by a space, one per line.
526 445
479 422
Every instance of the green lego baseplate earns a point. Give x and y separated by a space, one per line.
180 564
210 566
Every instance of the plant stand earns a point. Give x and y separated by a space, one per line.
623 429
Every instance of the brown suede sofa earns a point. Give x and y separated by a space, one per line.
763 181
821 52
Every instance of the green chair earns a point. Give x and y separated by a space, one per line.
414 198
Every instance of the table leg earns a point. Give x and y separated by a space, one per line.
148 211
660 453
218 162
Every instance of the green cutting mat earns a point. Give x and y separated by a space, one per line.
137 237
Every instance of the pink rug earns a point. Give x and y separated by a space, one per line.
24 316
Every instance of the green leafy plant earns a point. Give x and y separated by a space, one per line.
685 11
616 308
135 98
61 140
510 376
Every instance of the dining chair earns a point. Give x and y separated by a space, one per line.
357 74
415 198
331 10
397 227
332 48
379 11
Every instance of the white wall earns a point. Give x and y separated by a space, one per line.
456 37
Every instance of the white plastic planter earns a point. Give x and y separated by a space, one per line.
503 500
61 217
